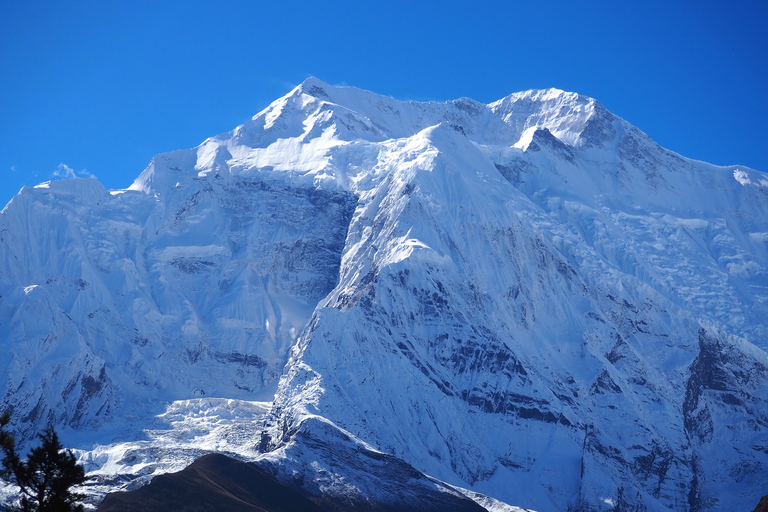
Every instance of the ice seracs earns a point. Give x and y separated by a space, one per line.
529 299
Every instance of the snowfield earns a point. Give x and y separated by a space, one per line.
529 301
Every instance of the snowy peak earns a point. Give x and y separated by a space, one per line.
302 131
529 298
313 86
318 89
564 114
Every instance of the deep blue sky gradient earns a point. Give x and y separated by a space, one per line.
101 87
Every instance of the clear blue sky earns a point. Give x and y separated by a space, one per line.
102 86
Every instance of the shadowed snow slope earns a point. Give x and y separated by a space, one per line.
529 299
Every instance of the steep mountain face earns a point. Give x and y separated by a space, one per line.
530 299
115 303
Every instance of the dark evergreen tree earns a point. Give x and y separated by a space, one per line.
46 477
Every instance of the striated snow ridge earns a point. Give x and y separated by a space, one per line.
529 299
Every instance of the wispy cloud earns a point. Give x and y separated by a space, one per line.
64 171
13 168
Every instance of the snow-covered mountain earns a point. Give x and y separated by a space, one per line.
529 299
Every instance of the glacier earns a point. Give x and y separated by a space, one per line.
530 301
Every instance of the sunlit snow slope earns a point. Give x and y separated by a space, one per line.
530 299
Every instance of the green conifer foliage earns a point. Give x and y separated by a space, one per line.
46 477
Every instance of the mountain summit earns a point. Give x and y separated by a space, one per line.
529 299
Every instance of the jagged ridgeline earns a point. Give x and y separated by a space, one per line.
529 299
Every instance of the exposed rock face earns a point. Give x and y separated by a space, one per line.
215 482
763 505
530 299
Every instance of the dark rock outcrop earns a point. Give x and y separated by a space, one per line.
216 482
212 482
762 506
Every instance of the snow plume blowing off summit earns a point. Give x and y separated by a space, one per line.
530 301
